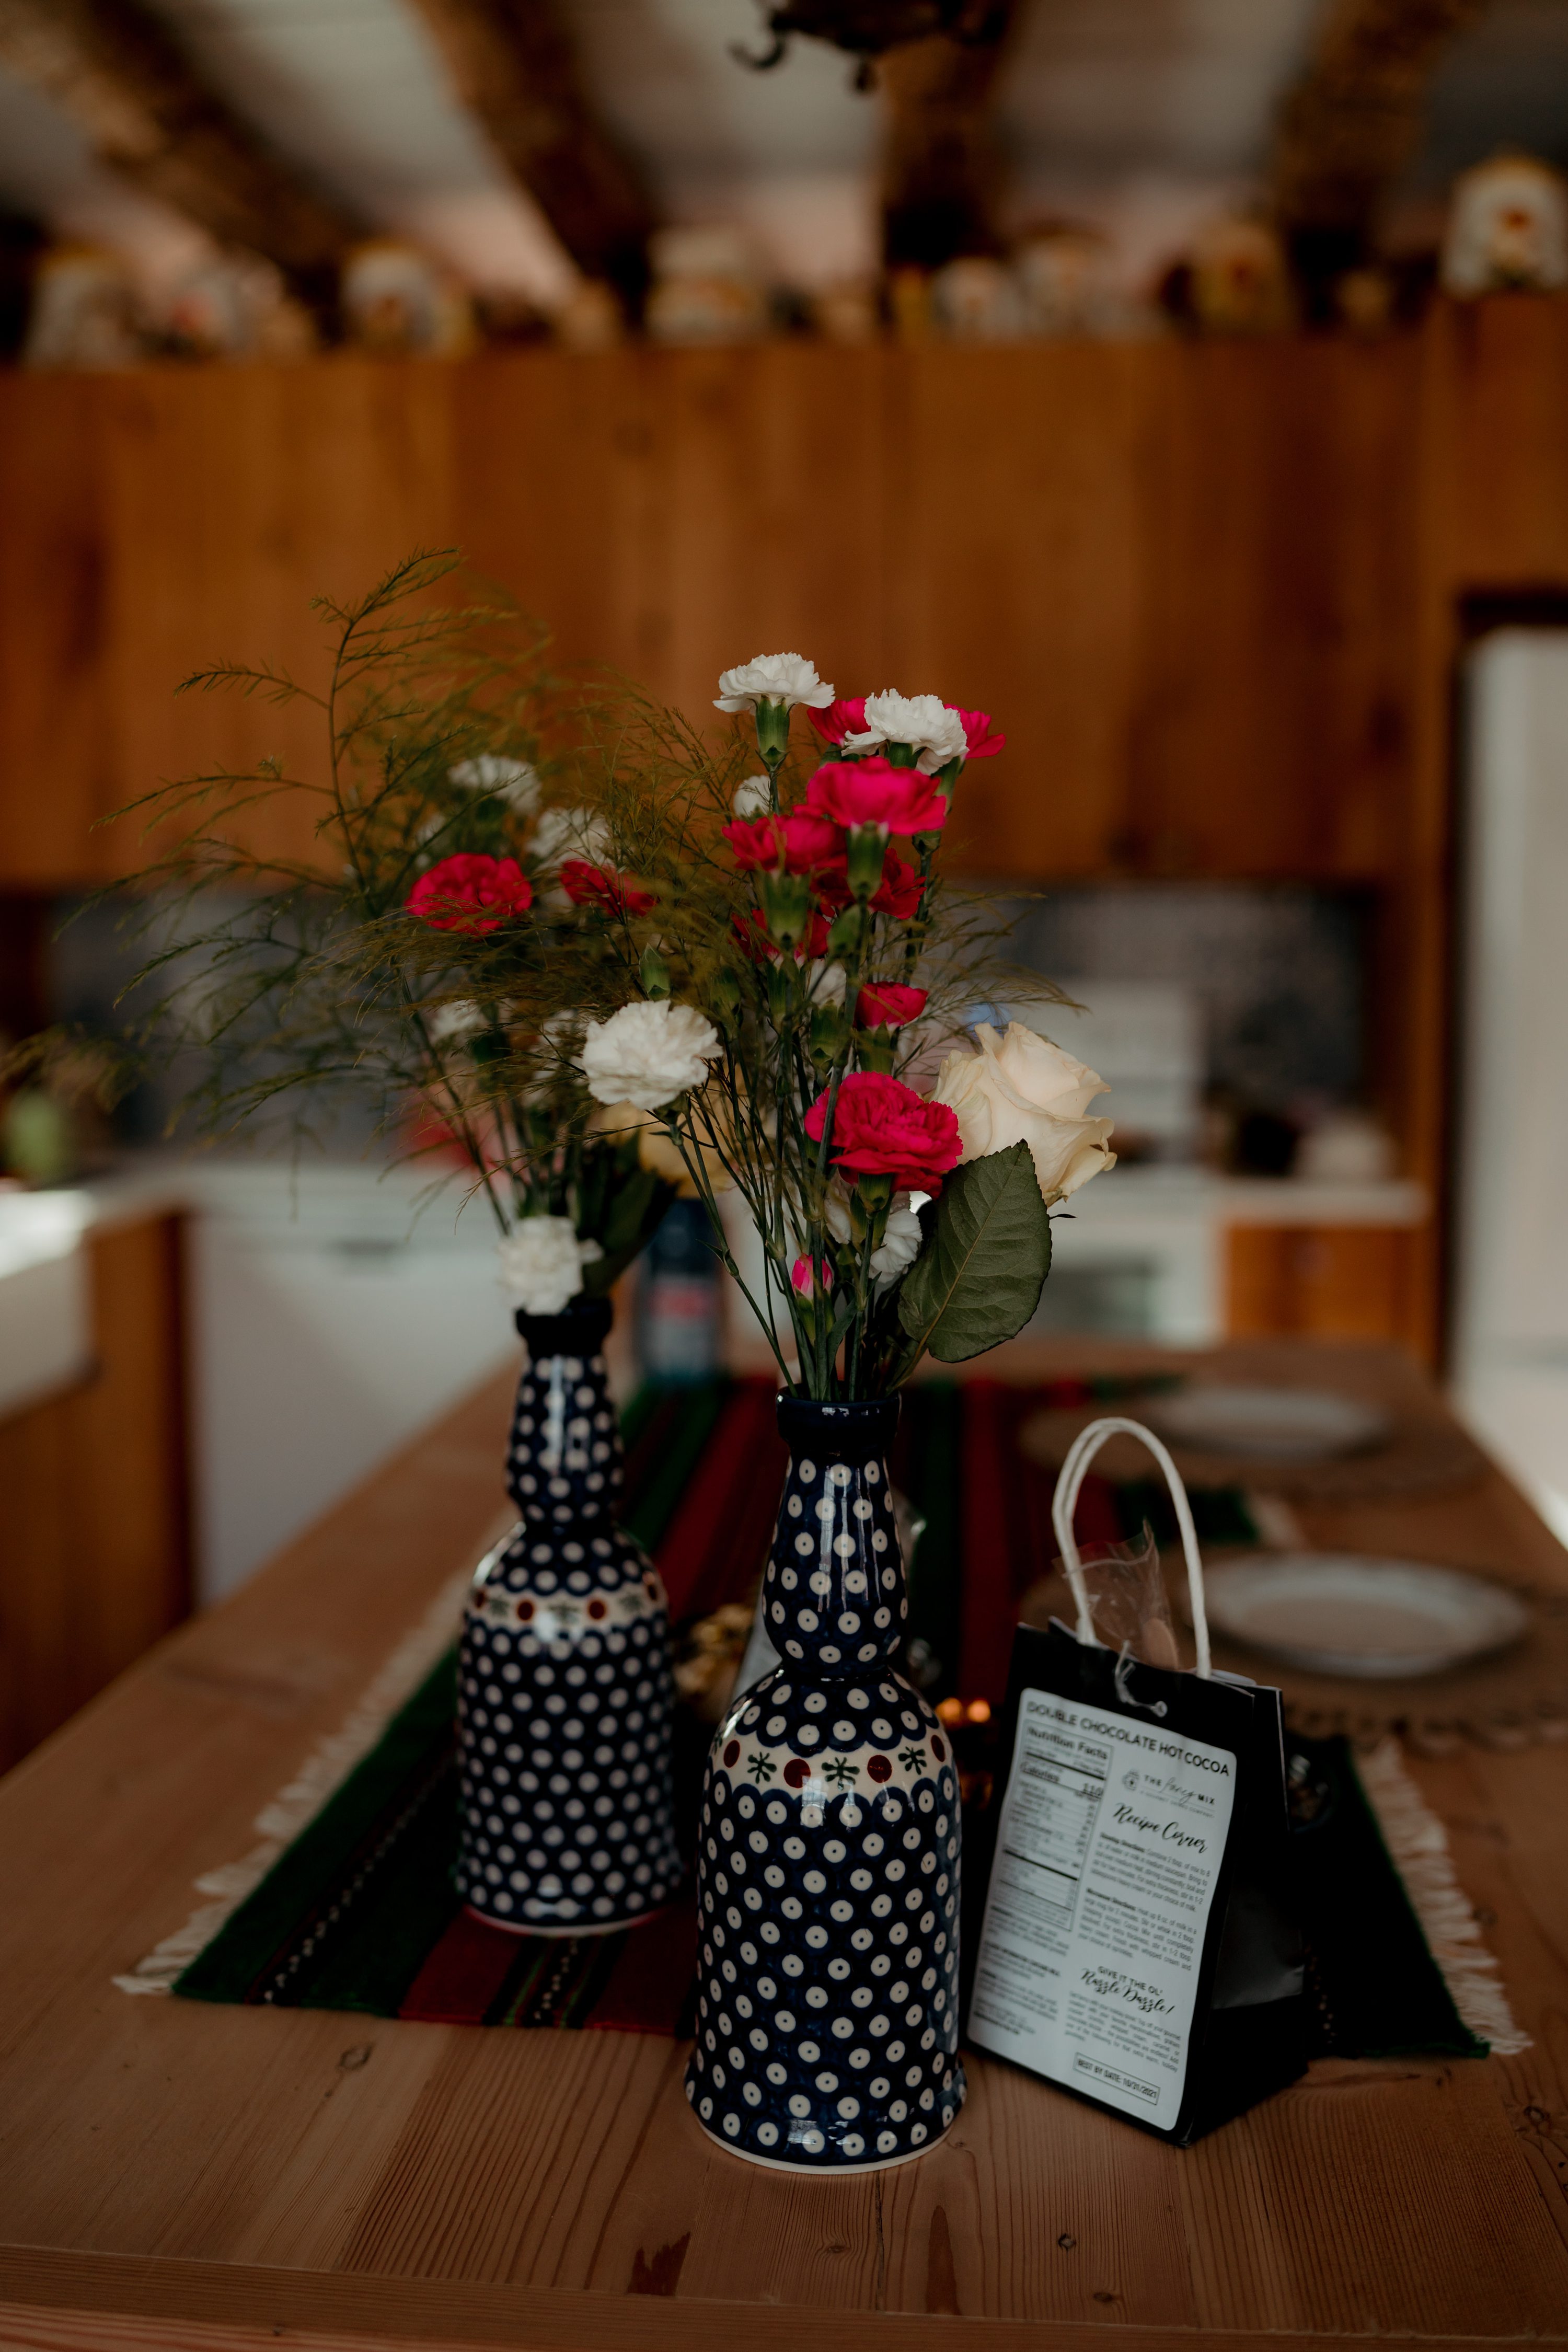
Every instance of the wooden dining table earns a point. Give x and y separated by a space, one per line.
174 2174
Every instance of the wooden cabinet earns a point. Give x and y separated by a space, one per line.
1326 1282
95 1541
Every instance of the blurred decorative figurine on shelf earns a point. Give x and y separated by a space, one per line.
85 311
974 300
846 311
399 303
591 319
705 288
1508 228
236 307
1063 283
1239 280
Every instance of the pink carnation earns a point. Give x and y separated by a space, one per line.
888 1005
882 1127
600 886
873 792
470 893
845 716
977 735
802 840
807 1279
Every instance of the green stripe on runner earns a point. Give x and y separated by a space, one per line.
394 1924
267 1919
646 1519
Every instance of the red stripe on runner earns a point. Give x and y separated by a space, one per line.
649 1984
462 1974
704 1557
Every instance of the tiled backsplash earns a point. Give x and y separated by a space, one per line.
1280 974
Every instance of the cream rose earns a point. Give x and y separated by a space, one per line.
1020 1089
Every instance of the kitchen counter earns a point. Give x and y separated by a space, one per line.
180 2175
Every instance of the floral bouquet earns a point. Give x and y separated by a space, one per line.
422 956
785 978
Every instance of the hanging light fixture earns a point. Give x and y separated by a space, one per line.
866 29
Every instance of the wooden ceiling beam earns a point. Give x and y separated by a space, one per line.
516 70
1354 120
121 77
940 166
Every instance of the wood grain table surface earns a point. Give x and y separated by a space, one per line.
178 2175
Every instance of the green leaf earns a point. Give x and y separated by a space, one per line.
987 1252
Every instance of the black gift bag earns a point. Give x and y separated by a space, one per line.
1133 1928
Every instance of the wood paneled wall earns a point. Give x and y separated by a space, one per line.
1182 574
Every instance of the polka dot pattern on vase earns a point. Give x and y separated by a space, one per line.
564 1690
829 1855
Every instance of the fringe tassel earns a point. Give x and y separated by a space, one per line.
322 1773
1419 1850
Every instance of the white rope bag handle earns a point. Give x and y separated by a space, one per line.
1074 1470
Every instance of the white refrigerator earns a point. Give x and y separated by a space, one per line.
1510 1352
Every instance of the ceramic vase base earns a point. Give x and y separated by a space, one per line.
561 1934
821 2171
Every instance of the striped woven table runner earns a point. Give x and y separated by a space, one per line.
359 1913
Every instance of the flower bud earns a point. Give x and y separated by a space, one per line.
849 928
875 1049
866 848
785 901
829 1031
654 972
724 993
773 733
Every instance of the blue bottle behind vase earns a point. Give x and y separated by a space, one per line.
564 1689
828 1867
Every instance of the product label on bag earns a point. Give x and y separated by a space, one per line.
1108 1852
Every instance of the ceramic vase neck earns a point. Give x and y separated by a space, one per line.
564 1461
834 1591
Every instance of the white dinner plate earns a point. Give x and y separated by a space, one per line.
1271 1425
1339 1613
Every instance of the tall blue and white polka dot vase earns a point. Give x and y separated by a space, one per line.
829 1855
565 1686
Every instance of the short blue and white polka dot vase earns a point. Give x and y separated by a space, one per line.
564 1689
828 1854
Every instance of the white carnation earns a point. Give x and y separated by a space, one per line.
753 798
516 781
923 721
900 1243
646 1054
788 678
542 1264
450 1024
571 833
